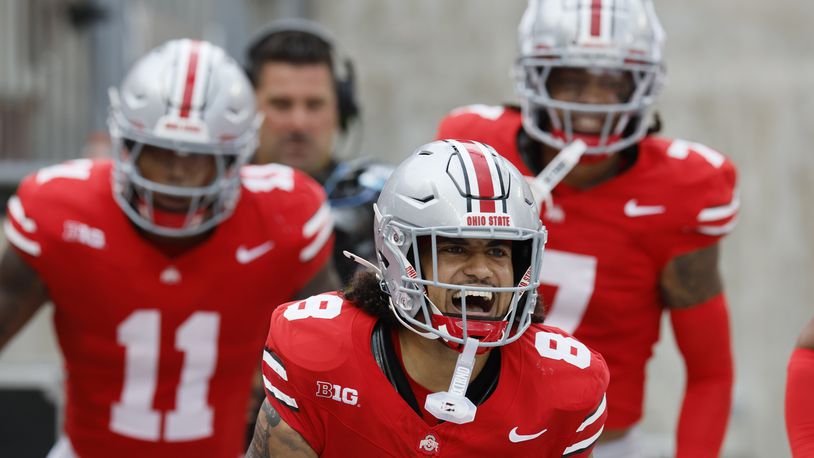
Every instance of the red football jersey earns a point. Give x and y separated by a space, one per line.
800 402
607 245
322 377
160 351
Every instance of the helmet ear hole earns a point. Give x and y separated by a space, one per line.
383 260
229 161
129 144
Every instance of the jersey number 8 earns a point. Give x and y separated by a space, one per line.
562 348
322 306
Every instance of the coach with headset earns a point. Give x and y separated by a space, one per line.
306 89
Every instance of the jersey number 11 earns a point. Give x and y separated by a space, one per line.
134 415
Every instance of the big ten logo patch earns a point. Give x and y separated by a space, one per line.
346 395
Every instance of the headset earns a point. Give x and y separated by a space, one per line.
342 67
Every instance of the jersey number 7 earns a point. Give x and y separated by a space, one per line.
574 276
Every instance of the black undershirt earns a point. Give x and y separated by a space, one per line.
385 355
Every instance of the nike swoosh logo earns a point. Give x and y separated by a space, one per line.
245 255
514 437
633 209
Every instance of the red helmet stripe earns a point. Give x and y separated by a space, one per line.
483 175
596 18
189 84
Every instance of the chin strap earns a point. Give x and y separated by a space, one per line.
555 171
453 405
483 330
364 263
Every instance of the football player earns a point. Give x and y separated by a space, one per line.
306 89
164 265
437 349
635 219
800 397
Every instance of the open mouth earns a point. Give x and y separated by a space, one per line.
171 203
588 124
478 303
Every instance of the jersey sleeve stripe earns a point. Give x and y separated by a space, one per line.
318 221
280 396
314 247
274 363
680 149
718 230
722 212
491 112
594 416
583 445
20 241
17 212
78 169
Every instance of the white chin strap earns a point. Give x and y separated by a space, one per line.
364 263
453 405
555 171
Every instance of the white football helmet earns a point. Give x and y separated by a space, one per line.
190 97
457 189
594 35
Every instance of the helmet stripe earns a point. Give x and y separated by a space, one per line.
203 73
465 166
177 88
498 187
189 80
483 166
596 18
595 23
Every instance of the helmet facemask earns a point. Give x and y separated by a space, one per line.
552 121
621 36
185 99
494 315
195 209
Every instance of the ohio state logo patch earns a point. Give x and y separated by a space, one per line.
429 445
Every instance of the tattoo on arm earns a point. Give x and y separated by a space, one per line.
273 437
267 419
272 416
21 294
259 448
691 278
